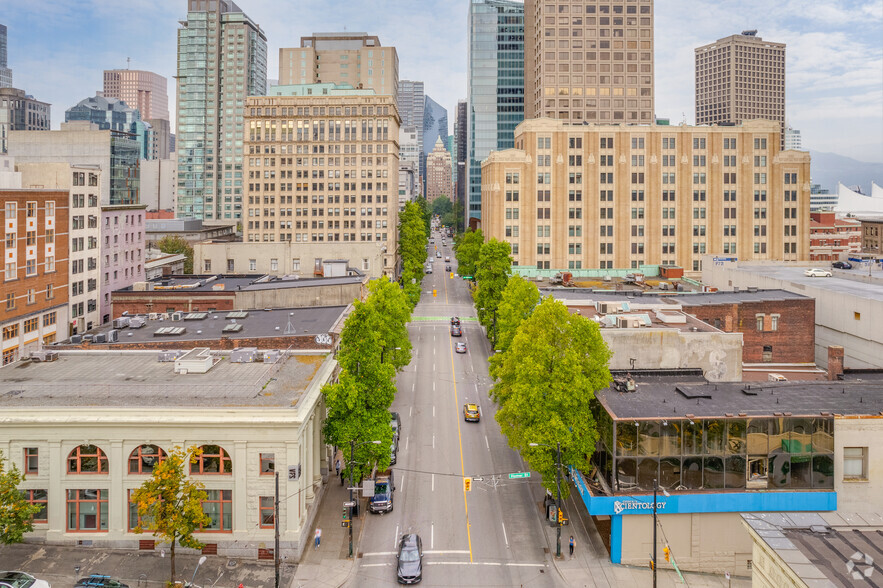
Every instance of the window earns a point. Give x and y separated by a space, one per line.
87 510
144 457
855 463
38 498
10 331
32 461
274 265
87 459
759 319
774 322
10 210
219 507
31 325
32 209
214 460
268 512
252 264
136 520
268 464
207 265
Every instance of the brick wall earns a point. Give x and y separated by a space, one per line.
161 301
793 341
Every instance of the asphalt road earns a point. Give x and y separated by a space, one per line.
491 535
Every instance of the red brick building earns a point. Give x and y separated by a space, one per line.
35 277
832 238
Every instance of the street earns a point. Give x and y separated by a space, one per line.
492 535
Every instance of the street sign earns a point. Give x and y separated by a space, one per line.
519 475
350 503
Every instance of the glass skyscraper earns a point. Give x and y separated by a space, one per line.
5 72
222 59
495 82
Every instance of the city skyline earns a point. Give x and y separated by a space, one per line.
834 62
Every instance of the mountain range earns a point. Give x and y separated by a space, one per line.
829 168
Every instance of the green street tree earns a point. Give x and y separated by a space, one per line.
16 513
491 275
170 503
391 304
425 212
412 248
174 245
442 206
545 387
518 301
467 249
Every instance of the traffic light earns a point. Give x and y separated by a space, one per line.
560 517
652 565
467 484
345 513
667 553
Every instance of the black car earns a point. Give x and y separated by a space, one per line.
455 321
447 268
841 265
410 556
98 581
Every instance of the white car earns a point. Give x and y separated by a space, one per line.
817 273
21 580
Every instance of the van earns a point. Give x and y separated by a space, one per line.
384 488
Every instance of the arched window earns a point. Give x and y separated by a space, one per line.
144 457
87 459
214 460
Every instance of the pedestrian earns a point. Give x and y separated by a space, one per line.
319 537
337 466
571 546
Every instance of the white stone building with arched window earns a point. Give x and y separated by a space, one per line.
87 429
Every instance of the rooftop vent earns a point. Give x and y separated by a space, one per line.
195 316
169 331
232 328
238 314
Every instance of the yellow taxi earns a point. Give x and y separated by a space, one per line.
471 413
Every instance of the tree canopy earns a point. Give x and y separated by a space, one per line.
545 387
491 275
394 310
173 244
169 502
413 231
466 249
442 206
16 513
516 304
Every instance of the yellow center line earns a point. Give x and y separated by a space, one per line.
459 436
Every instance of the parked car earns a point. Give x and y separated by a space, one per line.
428 269
448 268
384 491
99 581
438 253
841 265
394 451
817 273
471 413
456 331
455 320
460 348
396 424
410 559
21 580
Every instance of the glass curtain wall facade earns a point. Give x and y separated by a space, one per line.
495 103
125 170
5 72
754 453
222 59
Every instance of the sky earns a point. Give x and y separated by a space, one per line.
58 50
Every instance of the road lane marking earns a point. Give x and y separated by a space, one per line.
433 411
395 538
410 411
407 440
433 441
505 538
413 386
447 552
486 443
377 565
432 535
378 553
401 487
433 385
460 440
433 482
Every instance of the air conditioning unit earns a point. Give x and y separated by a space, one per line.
153 316
136 322
244 355
271 356
88 338
99 338
177 316
113 336
169 356
44 355
76 339
121 323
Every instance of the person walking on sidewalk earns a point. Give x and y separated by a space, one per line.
337 467
318 537
571 546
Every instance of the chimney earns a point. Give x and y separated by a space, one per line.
835 362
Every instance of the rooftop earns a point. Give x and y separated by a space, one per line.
675 397
849 283
824 548
683 298
246 282
244 324
136 379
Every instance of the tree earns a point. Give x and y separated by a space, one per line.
491 274
175 245
425 213
545 387
466 249
412 247
391 304
518 301
442 206
170 503
16 513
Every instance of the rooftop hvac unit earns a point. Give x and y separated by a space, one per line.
136 322
76 339
88 338
113 336
244 355
170 355
99 338
44 355
153 316
177 316
121 323
271 356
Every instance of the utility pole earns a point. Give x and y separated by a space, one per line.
350 465
655 488
276 527
557 503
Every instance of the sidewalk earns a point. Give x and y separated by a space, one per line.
329 565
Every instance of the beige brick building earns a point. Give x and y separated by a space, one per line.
438 173
323 169
589 60
620 196
739 78
341 58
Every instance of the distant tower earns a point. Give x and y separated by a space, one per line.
5 72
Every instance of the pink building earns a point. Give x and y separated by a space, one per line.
139 89
122 250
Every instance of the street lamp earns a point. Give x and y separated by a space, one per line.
557 502
382 349
655 490
201 561
353 446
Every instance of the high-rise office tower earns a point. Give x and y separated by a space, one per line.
435 125
792 139
739 78
461 124
5 72
146 92
20 112
589 60
495 85
438 172
411 101
357 59
222 59
115 115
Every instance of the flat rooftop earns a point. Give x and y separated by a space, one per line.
244 283
851 283
673 298
825 548
675 397
204 325
129 379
